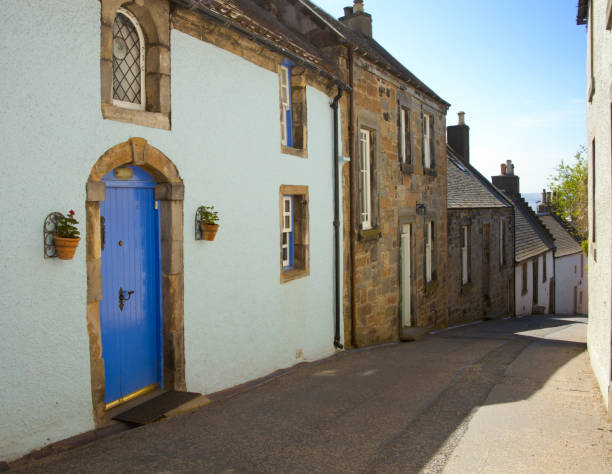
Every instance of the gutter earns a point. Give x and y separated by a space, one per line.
337 294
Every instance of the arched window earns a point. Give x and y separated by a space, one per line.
128 62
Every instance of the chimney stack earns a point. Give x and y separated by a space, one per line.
357 19
507 180
458 137
543 207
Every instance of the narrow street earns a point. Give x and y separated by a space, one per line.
515 395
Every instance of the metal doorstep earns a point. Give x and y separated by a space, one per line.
155 408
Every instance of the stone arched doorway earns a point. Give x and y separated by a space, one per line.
170 192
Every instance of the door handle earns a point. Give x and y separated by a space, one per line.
123 298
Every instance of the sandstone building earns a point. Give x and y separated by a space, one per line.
394 190
480 238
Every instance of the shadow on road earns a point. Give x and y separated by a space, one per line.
387 409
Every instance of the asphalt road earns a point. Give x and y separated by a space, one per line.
515 395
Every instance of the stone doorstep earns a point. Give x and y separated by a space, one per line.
413 333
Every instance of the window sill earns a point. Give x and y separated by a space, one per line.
137 117
430 172
299 152
407 168
369 235
293 274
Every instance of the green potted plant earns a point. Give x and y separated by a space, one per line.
66 236
208 218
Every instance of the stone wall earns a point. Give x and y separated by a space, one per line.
489 291
397 190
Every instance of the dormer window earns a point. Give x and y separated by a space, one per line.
128 62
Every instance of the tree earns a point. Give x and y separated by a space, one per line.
569 193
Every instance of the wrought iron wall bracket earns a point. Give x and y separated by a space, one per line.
198 232
49 230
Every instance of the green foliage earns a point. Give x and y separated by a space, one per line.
208 215
66 226
569 193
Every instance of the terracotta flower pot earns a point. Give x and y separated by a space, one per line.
208 230
65 247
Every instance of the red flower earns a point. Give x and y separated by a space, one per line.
71 212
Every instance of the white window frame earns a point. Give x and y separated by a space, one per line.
285 97
121 103
287 229
428 249
426 140
365 178
465 275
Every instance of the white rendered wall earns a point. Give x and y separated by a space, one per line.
567 276
598 121
240 322
544 286
523 301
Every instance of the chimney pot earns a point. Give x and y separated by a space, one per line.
507 181
461 118
348 11
358 6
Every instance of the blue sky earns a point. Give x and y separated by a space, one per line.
517 68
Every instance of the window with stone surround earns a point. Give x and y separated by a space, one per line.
135 62
502 244
465 254
429 243
405 140
428 141
365 178
292 88
294 232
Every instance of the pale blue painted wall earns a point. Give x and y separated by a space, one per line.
240 322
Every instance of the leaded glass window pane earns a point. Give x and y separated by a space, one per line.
127 61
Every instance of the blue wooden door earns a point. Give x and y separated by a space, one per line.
130 322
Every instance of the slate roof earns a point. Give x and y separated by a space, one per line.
531 237
467 188
372 50
565 243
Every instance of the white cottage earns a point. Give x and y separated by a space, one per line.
136 114
570 263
